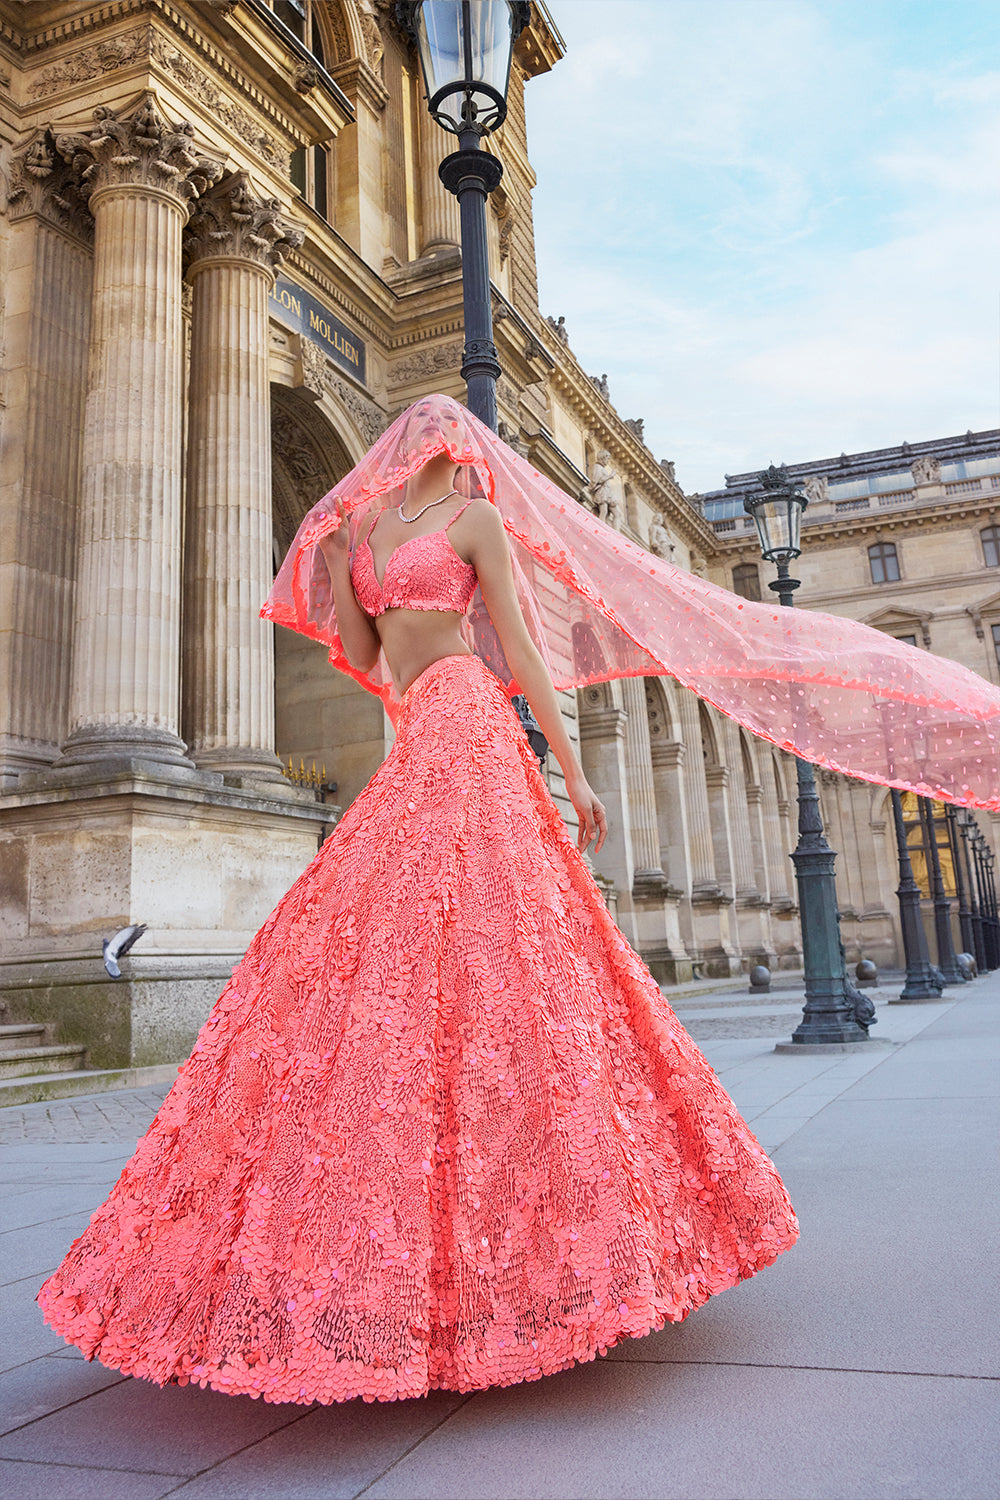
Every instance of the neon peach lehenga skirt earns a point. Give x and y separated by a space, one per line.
441 1128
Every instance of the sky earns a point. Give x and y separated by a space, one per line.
775 224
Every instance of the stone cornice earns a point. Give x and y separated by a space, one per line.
629 455
937 515
297 122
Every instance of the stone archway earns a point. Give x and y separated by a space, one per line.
322 717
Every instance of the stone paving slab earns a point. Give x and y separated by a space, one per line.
863 1364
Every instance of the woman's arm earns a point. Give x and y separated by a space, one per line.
357 633
489 552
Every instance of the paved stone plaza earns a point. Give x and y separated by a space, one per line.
865 1364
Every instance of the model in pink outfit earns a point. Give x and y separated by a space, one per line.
441 1129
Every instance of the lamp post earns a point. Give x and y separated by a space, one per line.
966 825
465 49
921 981
835 1012
947 959
964 909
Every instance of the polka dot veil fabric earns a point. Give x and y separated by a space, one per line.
599 606
441 1128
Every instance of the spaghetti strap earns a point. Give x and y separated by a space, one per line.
460 512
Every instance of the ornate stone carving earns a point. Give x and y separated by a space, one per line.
370 419
507 220
305 77
659 541
297 453
230 220
319 376
203 87
41 183
93 62
512 437
601 382
315 367
140 147
636 427
817 489
926 470
374 43
602 492
558 326
428 361
669 469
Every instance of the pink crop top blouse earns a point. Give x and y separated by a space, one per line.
424 572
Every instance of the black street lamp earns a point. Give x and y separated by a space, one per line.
964 909
922 982
465 49
947 958
836 1013
966 827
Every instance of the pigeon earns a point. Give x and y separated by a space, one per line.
119 944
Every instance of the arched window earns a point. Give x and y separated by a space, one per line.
746 581
990 536
883 562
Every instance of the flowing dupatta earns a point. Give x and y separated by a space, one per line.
598 606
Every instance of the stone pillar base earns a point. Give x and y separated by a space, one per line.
666 965
151 1015
123 742
240 763
89 849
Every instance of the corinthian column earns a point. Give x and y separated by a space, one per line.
141 175
649 879
234 243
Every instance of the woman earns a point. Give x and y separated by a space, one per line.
441 1128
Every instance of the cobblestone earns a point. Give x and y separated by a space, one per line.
97 1119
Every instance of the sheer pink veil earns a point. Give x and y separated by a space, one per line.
599 606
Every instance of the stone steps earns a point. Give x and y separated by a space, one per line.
23 1062
25 1034
38 1088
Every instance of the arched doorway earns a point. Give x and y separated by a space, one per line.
321 716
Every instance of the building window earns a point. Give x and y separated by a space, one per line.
883 562
995 632
302 19
991 546
309 170
746 581
907 640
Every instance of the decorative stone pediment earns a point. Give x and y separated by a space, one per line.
899 620
984 610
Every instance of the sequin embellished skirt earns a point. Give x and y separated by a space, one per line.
441 1128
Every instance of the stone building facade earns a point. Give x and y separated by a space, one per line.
907 540
227 263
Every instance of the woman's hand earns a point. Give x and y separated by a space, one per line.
591 812
336 542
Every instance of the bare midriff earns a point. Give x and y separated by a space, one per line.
414 639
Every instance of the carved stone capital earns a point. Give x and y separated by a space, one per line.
41 183
229 221
139 149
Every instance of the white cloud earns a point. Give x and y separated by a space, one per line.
774 225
